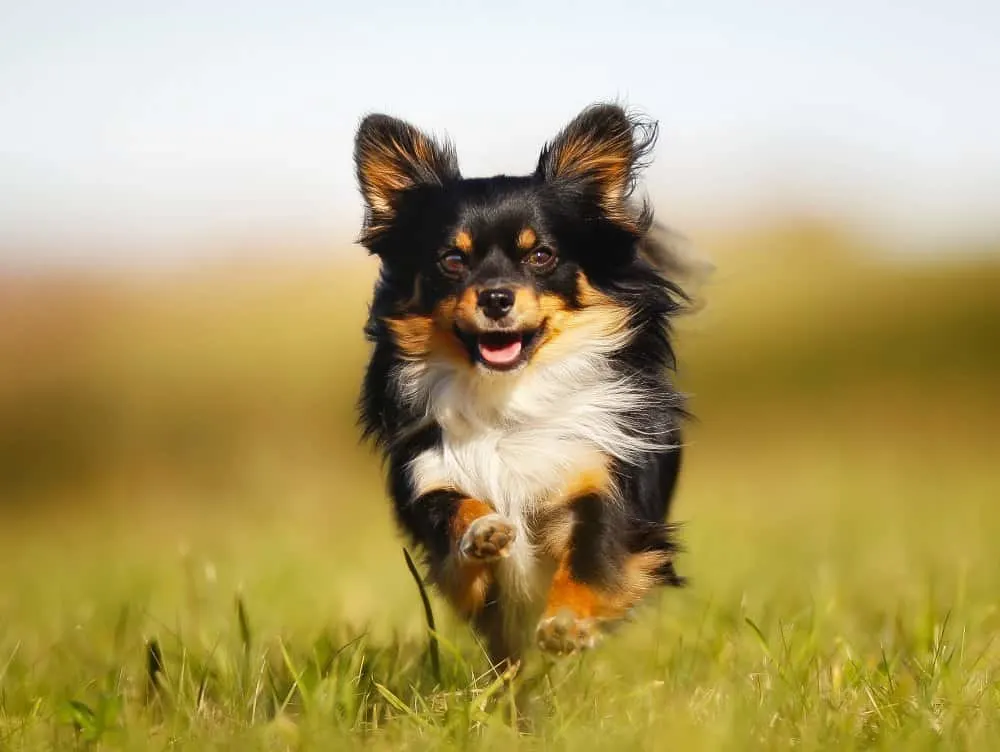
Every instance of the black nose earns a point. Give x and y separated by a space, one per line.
496 302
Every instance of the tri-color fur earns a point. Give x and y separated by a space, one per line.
519 385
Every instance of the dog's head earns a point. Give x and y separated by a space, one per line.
497 273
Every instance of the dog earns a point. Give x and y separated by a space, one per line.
519 386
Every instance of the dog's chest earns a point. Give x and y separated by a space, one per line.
513 468
517 452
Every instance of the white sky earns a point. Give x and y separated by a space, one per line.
130 129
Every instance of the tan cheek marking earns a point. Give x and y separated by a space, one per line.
446 343
567 331
580 330
588 294
526 239
418 336
412 334
527 311
463 312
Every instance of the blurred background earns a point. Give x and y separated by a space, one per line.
182 301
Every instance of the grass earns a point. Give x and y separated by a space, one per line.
837 600
199 557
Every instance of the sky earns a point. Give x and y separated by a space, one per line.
134 131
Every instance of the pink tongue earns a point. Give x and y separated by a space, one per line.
500 354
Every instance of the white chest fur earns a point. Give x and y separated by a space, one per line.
515 440
514 469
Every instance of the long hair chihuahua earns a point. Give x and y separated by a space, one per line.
519 383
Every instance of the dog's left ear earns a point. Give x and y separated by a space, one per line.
598 155
392 157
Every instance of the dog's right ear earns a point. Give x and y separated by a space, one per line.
390 158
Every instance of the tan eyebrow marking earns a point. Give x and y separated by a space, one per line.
463 241
526 239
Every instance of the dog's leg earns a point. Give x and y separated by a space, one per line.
462 537
478 537
591 578
490 622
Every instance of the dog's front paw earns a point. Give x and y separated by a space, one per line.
488 538
565 633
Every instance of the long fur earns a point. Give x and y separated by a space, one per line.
578 448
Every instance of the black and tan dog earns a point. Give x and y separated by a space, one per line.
519 382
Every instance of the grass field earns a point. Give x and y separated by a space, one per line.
198 555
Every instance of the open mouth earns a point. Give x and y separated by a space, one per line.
500 351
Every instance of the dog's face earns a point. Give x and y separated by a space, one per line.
496 273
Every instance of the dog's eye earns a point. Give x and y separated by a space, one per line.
540 258
453 262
